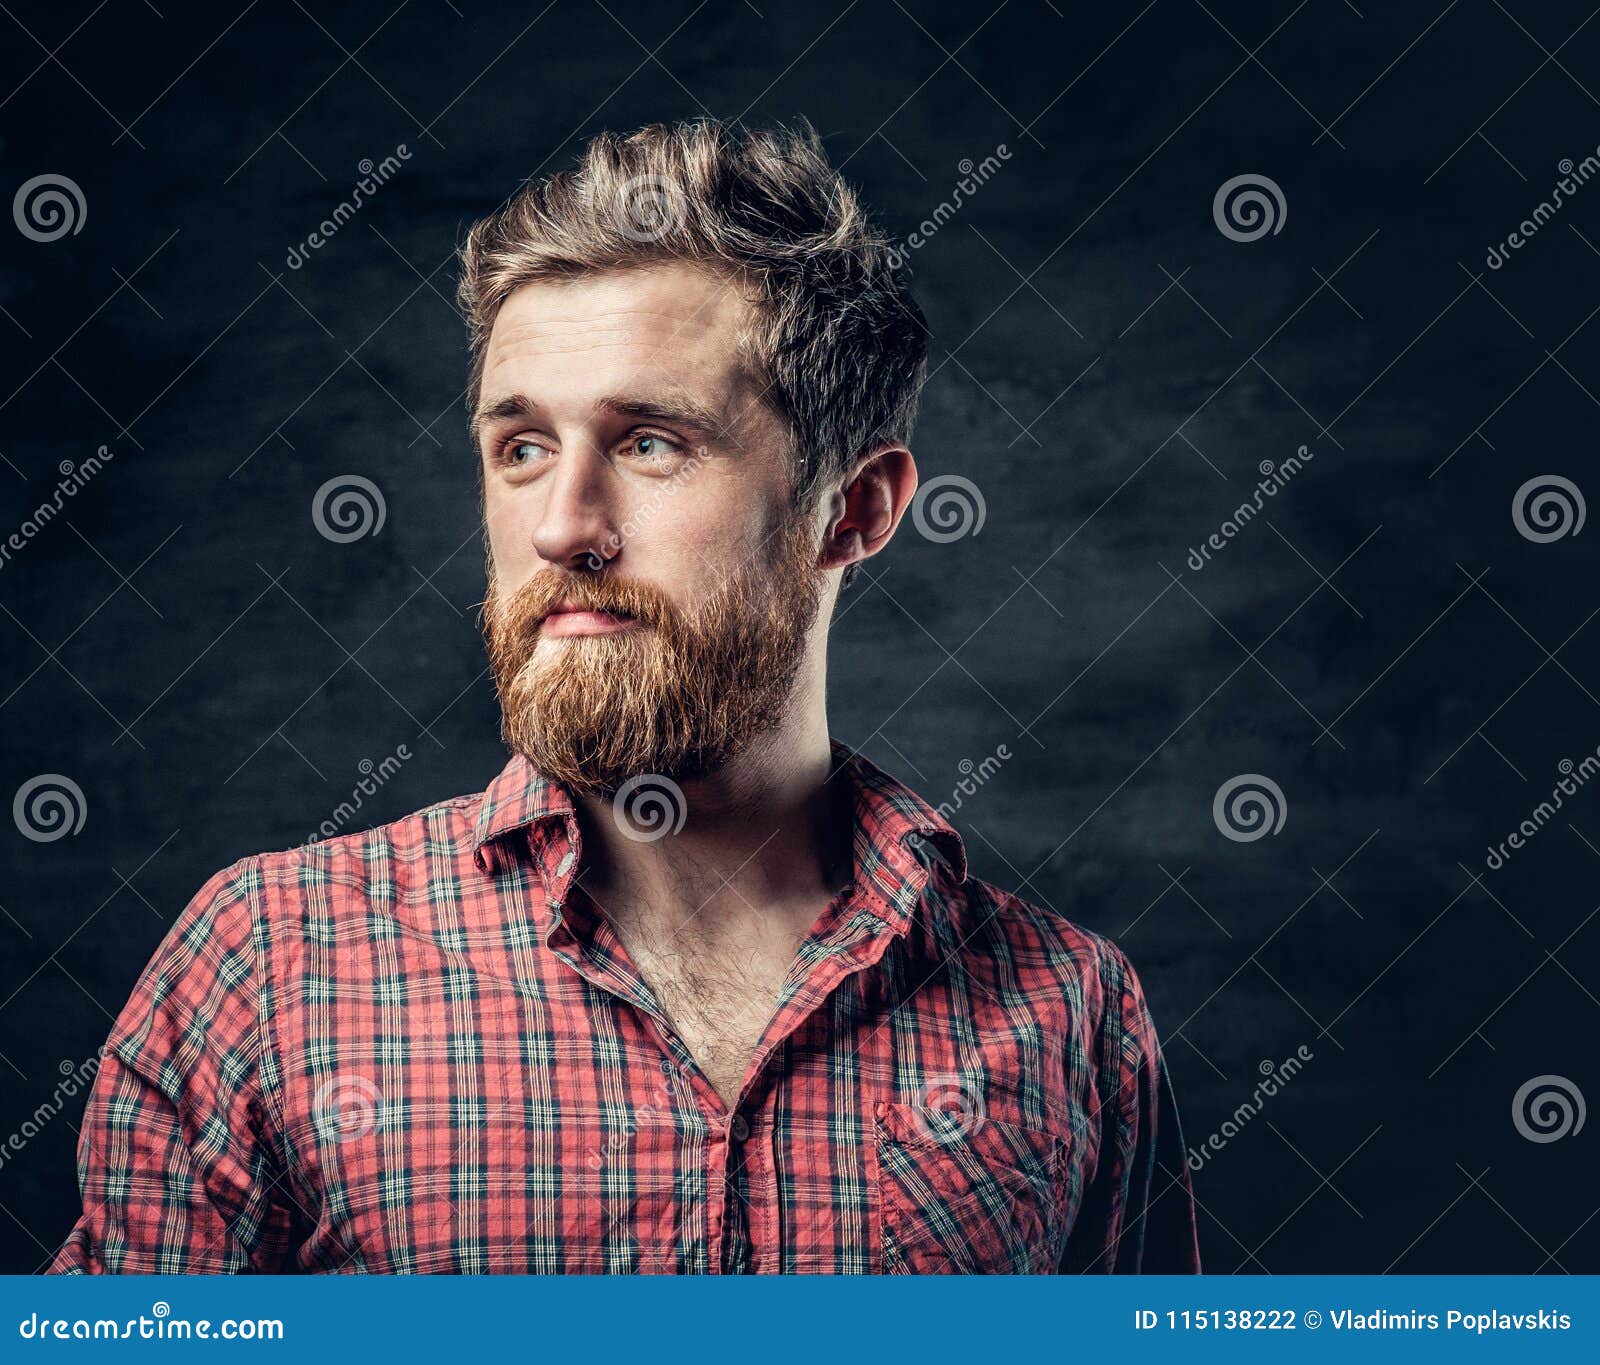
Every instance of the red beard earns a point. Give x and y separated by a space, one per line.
679 698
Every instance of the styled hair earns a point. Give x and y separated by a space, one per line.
837 341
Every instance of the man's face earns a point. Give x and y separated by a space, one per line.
632 472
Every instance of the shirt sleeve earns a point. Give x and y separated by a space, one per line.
175 1160
1137 1213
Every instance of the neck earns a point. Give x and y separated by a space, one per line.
768 834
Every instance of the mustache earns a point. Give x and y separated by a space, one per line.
525 609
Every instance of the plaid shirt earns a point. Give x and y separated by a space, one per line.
406 1050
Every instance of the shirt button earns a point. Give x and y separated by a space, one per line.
739 1128
668 1066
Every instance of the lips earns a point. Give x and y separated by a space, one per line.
567 605
570 619
557 612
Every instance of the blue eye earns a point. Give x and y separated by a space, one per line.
650 447
523 452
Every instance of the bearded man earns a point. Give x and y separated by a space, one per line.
691 986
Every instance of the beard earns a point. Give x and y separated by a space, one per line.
678 698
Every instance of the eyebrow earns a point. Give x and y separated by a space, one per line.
672 407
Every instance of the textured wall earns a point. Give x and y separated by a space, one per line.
1393 640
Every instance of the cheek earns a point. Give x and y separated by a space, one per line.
507 523
687 545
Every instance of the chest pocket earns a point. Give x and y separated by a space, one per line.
967 1194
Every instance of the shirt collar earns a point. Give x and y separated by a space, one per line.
891 823
519 797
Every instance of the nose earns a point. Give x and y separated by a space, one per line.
577 527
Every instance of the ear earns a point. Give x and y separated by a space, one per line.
865 510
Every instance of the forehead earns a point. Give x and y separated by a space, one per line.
672 323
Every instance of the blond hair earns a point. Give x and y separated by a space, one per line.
838 342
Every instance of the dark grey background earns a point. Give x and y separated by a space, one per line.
1109 371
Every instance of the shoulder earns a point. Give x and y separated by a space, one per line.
381 867
1049 949
200 986
217 928
1061 965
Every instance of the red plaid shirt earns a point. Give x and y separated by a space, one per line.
404 1050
